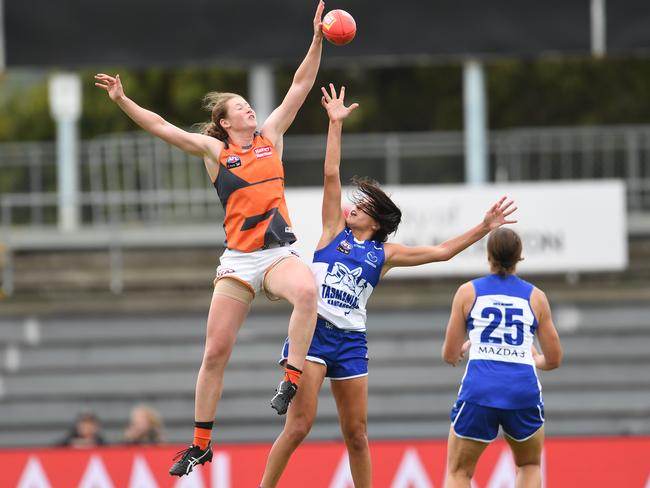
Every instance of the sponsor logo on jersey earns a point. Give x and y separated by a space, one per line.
263 152
502 351
371 259
344 247
233 162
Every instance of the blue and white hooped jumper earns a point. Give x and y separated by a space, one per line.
346 271
500 385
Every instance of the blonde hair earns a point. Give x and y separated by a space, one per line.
215 103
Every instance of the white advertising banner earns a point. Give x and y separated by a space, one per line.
566 226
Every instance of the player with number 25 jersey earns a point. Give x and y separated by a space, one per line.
501 314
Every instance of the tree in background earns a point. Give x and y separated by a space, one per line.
521 93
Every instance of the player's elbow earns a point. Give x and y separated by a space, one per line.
300 86
449 361
553 359
331 173
431 254
448 356
443 253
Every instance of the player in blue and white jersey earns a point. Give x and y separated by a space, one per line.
352 256
501 314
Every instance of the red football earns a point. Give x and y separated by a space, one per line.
339 27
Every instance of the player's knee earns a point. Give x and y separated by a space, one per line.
216 355
357 440
305 296
460 472
460 467
528 464
297 431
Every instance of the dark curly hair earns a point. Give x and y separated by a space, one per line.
370 198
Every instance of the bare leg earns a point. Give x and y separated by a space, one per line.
352 404
292 280
224 320
528 458
300 418
462 456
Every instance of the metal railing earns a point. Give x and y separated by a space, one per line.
132 184
136 164
577 153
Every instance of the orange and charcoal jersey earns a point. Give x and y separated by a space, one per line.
250 185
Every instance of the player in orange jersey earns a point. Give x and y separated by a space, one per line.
245 167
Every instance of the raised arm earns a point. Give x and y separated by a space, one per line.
281 118
455 345
401 255
332 215
196 144
549 339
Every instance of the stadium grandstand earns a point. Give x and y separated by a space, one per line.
109 243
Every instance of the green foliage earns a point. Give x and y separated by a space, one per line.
542 92
174 94
569 92
24 109
390 99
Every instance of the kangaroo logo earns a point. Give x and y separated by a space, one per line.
342 275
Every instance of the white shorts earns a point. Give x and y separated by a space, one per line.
250 268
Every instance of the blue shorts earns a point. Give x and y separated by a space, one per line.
343 352
479 423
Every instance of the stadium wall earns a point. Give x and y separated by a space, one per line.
567 462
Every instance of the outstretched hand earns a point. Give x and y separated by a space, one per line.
113 85
498 213
318 24
335 105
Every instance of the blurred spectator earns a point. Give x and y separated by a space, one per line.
86 432
145 426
